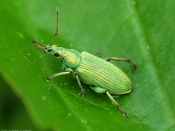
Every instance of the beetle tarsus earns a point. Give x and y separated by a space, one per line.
133 64
122 110
125 114
81 93
48 79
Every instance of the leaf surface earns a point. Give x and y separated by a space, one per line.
142 31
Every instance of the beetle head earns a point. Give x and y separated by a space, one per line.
51 49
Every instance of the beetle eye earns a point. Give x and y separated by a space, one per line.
49 50
56 54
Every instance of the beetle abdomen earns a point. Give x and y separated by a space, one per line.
100 73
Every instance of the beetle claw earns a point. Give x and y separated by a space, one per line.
81 93
122 110
48 79
125 114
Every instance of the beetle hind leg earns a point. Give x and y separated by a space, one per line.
125 60
101 90
115 103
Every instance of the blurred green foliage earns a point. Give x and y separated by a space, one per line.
12 112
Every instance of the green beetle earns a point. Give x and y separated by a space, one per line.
101 75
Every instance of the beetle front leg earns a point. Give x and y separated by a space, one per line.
55 75
118 106
79 83
121 59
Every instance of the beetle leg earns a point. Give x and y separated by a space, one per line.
121 59
79 83
55 75
118 106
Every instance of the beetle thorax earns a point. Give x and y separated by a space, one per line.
72 58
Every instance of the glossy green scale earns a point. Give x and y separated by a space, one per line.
101 75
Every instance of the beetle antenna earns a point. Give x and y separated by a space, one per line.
56 33
39 45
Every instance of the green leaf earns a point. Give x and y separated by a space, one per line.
12 111
142 31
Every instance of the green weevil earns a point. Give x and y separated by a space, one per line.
101 75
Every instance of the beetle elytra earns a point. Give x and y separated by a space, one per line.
101 75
